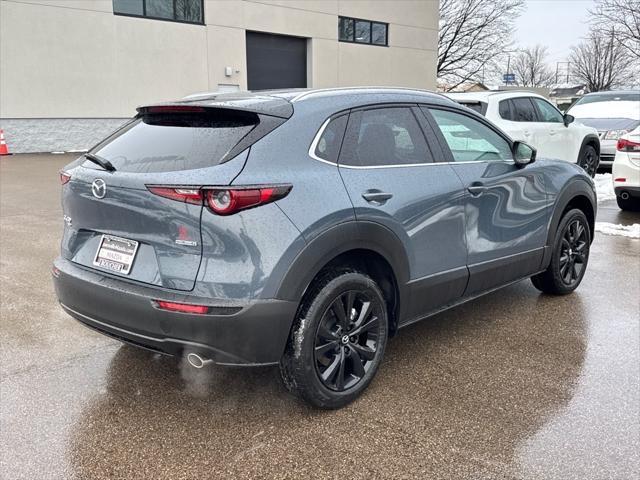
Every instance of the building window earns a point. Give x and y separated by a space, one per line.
186 11
355 30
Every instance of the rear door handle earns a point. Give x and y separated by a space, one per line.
476 188
527 133
552 132
376 196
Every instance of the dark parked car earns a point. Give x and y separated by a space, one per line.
305 228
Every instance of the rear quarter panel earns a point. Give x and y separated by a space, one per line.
318 199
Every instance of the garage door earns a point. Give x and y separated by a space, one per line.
276 61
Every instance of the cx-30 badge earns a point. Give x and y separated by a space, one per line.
99 188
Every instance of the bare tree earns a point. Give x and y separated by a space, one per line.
621 18
600 62
531 68
473 35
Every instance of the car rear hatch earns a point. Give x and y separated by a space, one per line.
116 224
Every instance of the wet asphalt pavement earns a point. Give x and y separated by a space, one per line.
513 385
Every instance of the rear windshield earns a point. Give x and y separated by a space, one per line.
174 141
609 97
479 107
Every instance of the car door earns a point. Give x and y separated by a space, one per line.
386 163
560 143
535 133
505 205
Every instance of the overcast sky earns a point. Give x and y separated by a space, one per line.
558 24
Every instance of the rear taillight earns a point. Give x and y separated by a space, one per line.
64 177
625 145
182 307
186 195
230 201
224 201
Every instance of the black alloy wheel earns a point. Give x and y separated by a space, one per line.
573 252
338 339
589 160
347 340
569 256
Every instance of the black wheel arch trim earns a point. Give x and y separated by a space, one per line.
578 187
588 139
341 238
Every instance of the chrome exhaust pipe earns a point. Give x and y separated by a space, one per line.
196 361
624 195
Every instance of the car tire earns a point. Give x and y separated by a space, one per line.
589 160
569 257
338 339
629 205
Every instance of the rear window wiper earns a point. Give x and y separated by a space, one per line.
103 162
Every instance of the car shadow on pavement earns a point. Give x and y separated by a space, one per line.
461 390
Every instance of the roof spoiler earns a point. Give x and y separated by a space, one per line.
261 105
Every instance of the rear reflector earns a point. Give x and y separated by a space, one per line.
222 200
64 177
182 307
620 179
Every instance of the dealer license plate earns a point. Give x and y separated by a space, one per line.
116 254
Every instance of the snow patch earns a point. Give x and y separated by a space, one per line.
631 231
604 187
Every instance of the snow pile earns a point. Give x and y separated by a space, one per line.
631 231
604 187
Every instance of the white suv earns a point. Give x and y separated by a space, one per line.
530 118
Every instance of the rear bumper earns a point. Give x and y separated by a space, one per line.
252 333
634 192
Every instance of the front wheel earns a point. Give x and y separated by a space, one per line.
337 341
589 160
569 257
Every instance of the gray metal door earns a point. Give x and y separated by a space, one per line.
505 205
276 61
388 170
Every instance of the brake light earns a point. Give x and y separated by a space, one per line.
64 177
186 195
625 145
222 200
182 307
230 201
172 109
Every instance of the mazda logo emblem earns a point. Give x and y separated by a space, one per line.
99 188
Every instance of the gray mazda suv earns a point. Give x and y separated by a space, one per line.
305 228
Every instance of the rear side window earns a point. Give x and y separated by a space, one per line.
328 146
523 110
175 141
504 110
385 136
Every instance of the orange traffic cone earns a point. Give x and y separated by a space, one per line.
4 150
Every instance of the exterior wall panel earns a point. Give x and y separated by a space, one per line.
75 59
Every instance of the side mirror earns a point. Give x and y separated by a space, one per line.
568 119
523 154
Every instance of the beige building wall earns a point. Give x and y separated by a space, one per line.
76 59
